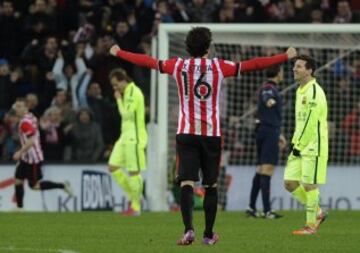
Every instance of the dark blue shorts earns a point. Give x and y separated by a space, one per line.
267 145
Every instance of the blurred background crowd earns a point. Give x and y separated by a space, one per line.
55 54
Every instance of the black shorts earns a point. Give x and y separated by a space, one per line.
195 152
267 145
31 172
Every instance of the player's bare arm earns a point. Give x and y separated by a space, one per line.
24 148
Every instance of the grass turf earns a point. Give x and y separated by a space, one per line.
106 232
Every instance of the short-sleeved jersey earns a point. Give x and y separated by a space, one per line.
311 130
132 110
28 127
199 82
269 116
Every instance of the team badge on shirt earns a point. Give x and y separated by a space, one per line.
304 99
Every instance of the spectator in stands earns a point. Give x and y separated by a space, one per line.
226 12
101 63
97 104
21 82
80 80
161 14
7 87
61 101
105 114
200 11
344 13
355 68
162 8
351 125
12 141
61 79
41 59
302 10
141 75
32 102
52 135
39 24
125 37
11 42
343 95
3 137
85 138
317 16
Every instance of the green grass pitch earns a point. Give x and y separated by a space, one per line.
106 232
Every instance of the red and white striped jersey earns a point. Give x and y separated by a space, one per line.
28 127
199 82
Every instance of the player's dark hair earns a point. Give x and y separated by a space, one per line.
273 71
198 41
120 74
310 62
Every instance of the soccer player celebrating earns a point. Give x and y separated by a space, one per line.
30 156
198 139
129 151
306 165
268 138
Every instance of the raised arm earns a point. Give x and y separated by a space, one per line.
142 60
265 62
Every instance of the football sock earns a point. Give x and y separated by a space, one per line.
210 208
265 192
186 206
48 185
19 193
300 194
122 179
254 190
312 203
136 187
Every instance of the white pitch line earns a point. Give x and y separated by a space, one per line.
67 251
12 249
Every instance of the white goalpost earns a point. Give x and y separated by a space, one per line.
335 47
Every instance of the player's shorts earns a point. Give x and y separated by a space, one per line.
195 153
267 145
130 156
306 169
31 172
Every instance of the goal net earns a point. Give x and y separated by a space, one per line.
336 49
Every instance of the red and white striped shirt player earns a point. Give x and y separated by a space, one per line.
28 127
199 82
198 139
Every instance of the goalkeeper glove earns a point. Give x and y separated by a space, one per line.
294 151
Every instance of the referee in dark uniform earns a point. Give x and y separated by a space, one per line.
268 140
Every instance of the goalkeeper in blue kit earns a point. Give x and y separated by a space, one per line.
307 163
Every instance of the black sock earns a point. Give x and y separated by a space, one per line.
186 205
254 190
48 185
19 193
265 192
210 208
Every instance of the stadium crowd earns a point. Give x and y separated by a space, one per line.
55 54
